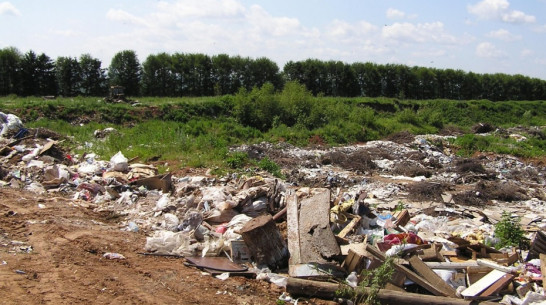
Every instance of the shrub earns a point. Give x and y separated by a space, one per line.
509 231
237 160
270 166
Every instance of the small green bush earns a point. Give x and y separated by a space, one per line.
270 166
237 160
509 231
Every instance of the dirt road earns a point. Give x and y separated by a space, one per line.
51 252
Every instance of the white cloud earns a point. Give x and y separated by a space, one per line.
170 12
429 53
489 50
540 29
339 29
526 53
393 13
266 24
66 33
125 17
504 35
421 32
499 10
6 8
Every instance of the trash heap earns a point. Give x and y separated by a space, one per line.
304 238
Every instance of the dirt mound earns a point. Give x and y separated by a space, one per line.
401 137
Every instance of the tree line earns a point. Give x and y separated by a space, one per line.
194 74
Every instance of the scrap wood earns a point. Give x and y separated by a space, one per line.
489 279
47 146
325 290
474 274
280 213
410 274
451 265
505 258
160 182
402 218
349 227
431 276
498 285
543 269
354 261
492 264
538 246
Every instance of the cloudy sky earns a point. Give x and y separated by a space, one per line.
484 36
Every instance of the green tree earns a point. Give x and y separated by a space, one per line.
263 70
125 71
93 76
10 59
68 75
37 75
367 78
157 76
222 67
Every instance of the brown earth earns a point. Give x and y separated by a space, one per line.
65 264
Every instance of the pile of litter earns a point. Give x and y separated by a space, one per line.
340 215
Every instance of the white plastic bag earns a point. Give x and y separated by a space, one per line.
119 163
166 242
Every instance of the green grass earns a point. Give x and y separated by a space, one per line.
198 132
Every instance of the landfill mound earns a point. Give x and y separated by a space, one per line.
77 229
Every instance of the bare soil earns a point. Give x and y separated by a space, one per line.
54 255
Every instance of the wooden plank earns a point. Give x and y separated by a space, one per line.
349 227
451 265
481 285
327 291
353 262
543 269
474 274
492 264
498 285
410 274
431 276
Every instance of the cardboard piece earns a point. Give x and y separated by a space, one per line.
160 182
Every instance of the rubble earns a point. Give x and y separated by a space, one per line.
343 211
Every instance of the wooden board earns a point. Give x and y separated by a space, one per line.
410 274
348 228
451 265
498 285
543 269
484 283
431 276
354 262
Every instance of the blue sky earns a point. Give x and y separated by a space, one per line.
487 36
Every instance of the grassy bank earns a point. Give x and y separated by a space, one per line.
199 131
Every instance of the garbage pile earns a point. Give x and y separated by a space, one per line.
360 211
